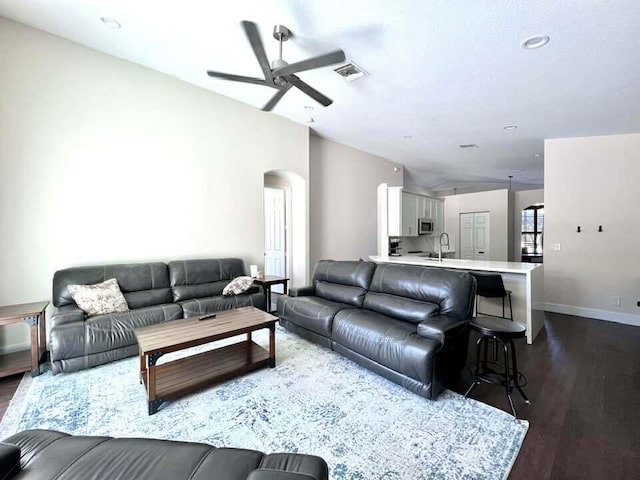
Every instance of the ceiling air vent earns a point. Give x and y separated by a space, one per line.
469 145
351 72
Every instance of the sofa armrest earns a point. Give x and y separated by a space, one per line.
278 475
9 460
66 314
438 328
302 291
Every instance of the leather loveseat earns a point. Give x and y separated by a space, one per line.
155 293
407 323
49 455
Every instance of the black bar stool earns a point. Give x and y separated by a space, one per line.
502 332
490 285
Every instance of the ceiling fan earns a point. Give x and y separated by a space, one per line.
281 75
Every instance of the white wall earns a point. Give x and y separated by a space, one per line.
522 200
593 181
343 210
105 161
496 202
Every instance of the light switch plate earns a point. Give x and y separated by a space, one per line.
556 247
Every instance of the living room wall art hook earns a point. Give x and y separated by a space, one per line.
600 228
578 229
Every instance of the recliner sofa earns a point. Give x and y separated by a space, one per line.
155 292
49 455
407 323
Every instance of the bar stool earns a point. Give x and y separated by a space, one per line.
490 285
502 332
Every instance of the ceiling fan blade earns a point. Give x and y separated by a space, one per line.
309 90
276 98
251 29
311 63
238 78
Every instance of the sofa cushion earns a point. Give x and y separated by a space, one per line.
452 291
200 306
387 341
203 278
105 332
142 284
352 273
312 313
401 308
99 298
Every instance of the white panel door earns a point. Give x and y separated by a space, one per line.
275 254
481 236
466 236
475 236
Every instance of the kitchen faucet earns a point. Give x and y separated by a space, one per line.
442 244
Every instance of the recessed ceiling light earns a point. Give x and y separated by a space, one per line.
510 127
534 42
407 137
110 22
308 107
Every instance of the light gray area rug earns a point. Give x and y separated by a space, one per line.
314 401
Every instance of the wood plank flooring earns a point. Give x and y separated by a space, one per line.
584 385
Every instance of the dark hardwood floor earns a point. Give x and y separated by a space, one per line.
584 387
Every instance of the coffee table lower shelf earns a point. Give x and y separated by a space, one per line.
186 375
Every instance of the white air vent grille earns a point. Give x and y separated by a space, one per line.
469 145
350 72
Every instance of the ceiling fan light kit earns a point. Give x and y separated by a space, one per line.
279 74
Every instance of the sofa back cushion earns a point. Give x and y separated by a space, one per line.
143 284
343 281
437 291
203 278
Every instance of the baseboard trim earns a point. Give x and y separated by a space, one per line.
617 317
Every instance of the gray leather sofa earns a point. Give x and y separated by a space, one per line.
49 455
155 292
407 323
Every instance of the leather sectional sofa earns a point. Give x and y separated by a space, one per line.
155 292
49 455
407 323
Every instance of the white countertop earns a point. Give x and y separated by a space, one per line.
483 265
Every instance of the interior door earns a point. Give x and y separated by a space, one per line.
467 243
481 236
275 255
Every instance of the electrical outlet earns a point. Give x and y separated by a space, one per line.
615 301
556 247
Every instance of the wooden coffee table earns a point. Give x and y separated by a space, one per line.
185 375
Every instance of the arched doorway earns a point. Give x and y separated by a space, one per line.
285 220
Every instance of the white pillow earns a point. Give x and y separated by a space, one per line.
100 298
238 285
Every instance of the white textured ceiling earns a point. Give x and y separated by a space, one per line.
446 72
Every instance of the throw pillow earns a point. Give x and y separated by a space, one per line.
238 285
100 298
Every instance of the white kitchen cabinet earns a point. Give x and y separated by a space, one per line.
437 215
409 215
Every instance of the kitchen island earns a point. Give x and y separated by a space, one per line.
525 280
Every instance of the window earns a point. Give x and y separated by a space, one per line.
532 233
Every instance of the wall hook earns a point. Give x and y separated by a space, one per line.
578 229
599 228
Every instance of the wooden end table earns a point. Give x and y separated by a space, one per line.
185 375
33 314
269 281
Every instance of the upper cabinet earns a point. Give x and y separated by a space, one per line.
409 226
404 209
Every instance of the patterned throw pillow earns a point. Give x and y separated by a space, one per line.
100 298
238 285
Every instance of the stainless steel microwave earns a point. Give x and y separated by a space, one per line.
425 226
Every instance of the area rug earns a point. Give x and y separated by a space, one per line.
314 401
